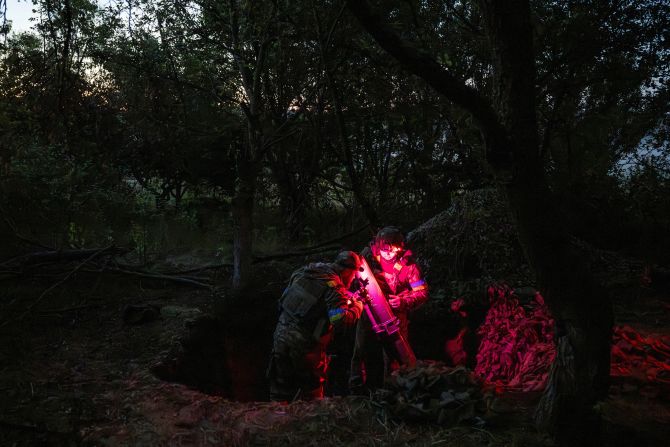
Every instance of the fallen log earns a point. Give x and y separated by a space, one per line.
88 259
148 275
52 256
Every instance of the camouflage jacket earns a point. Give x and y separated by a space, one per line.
402 276
315 301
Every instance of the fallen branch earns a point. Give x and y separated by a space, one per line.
44 258
68 309
60 255
320 248
37 429
5 275
62 281
18 426
259 259
340 238
203 268
12 226
177 279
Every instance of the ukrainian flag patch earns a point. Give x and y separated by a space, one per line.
335 315
418 285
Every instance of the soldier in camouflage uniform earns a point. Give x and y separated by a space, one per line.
401 281
315 300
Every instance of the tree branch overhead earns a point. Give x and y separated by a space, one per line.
426 67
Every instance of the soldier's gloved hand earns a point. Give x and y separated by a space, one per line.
396 302
358 306
458 306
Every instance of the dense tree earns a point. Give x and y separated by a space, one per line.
171 83
56 128
505 109
275 107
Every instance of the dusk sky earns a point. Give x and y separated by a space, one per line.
19 12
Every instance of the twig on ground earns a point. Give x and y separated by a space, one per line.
258 259
203 268
69 309
340 238
485 431
50 256
177 279
12 226
62 281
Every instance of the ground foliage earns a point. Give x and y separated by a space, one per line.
433 392
79 372
83 377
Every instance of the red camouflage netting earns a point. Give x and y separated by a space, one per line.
517 348
646 358
516 345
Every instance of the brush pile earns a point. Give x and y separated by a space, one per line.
645 358
432 392
516 348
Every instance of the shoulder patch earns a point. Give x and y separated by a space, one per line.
335 315
418 285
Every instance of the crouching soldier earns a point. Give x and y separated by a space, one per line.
315 300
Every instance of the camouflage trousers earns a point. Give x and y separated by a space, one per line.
297 367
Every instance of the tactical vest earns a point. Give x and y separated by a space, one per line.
303 303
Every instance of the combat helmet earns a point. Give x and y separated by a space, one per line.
347 260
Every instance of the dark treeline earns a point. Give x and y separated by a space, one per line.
256 125
284 113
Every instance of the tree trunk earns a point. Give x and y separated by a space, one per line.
293 191
243 225
583 312
354 176
294 216
580 373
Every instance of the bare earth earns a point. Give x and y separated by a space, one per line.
72 372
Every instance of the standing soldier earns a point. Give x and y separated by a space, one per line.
315 300
400 279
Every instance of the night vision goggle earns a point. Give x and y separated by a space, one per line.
389 248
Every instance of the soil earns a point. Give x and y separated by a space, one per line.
85 367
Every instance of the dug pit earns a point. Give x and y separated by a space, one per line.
220 357
228 356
